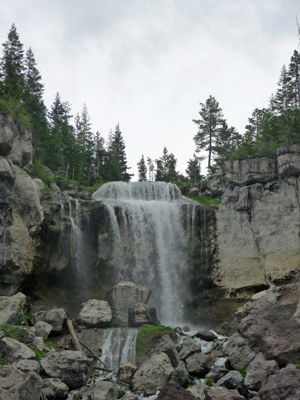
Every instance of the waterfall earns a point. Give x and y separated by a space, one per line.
152 228
118 344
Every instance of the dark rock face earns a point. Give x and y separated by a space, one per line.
274 332
283 385
172 391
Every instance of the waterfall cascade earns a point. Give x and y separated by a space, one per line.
153 230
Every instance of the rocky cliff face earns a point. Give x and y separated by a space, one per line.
258 222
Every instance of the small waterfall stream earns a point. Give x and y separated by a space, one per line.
152 230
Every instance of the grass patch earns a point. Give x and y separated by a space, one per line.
243 371
39 353
209 382
15 332
4 360
213 201
148 333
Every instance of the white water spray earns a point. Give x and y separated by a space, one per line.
152 227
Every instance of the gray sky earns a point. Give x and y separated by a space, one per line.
147 64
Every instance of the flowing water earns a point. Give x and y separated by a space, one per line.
152 229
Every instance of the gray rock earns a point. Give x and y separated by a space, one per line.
55 317
43 329
155 372
15 350
283 385
15 385
172 391
54 388
95 314
273 331
206 334
12 309
222 393
188 347
216 373
198 364
126 372
288 160
166 345
71 367
141 314
180 375
232 380
27 366
198 390
124 296
100 391
238 351
258 371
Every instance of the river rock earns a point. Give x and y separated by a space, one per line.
283 385
188 347
167 346
232 380
56 317
180 375
258 371
54 388
198 364
238 351
95 314
141 314
15 350
153 372
43 329
198 390
71 367
126 372
16 385
27 366
124 296
12 309
222 393
206 334
172 391
273 331
99 391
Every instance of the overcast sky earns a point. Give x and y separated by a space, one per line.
148 64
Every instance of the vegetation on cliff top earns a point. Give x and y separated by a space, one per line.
74 152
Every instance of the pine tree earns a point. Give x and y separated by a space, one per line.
101 155
166 167
227 140
142 169
116 162
12 67
86 145
35 107
208 126
194 169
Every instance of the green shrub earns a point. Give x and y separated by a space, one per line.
116 322
121 393
4 360
15 332
243 371
147 333
209 382
214 201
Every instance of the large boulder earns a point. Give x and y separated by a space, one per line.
172 391
15 385
71 367
153 372
258 372
198 364
188 347
124 296
238 351
15 350
95 314
126 372
273 331
288 160
141 314
283 385
12 309
98 391
56 317
167 346
54 388
222 393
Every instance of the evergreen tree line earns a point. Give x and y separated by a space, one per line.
70 151
73 151
268 128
